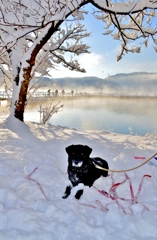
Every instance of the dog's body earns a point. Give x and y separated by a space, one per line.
81 168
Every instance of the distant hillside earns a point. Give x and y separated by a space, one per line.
132 82
141 82
79 83
137 82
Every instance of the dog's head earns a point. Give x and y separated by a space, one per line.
78 155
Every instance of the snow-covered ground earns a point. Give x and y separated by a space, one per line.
31 205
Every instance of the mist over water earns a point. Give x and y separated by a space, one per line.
120 115
125 115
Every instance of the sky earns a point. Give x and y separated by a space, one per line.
101 62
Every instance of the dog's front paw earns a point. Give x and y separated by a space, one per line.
79 194
65 196
67 192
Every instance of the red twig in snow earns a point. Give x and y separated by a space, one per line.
113 194
40 187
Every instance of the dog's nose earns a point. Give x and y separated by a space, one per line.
76 160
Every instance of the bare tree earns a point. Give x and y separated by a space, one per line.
48 57
46 112
52 54
31 34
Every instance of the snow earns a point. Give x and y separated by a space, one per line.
33 166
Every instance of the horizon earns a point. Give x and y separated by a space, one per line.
92 76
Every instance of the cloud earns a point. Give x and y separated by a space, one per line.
88 61
93 63
104 64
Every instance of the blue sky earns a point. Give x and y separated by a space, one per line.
104 49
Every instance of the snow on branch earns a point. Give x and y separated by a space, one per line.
124 7
20 18
128 21
68 39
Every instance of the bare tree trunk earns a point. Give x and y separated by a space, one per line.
23 67
22 99
20 103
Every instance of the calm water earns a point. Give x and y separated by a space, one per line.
120 115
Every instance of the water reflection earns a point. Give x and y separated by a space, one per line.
101 113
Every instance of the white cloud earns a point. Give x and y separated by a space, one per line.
92 63
88 61
105 64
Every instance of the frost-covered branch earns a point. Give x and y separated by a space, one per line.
131 21
73 65
46 112
67 40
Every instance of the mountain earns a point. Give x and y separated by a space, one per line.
132 82
137 82
84 82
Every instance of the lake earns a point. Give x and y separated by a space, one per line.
126 115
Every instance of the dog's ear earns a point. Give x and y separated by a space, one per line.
87 150
69 149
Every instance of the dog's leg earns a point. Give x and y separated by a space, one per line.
67 191
79 194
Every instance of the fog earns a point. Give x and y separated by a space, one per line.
115 114
134 105
134 83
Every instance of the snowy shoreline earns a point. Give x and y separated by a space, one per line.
26 214
68 96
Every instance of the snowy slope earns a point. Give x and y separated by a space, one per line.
31 205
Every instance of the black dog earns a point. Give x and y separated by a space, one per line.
81 168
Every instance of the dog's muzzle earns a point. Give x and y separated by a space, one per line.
76 163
